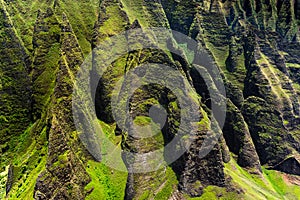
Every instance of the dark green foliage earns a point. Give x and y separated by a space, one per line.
267 130
180 14
15 89
238 138
46 45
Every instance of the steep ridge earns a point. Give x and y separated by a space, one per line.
64 172
15 84
247 40
255 44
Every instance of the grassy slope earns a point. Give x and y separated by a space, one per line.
270 185
28 150
82 16
106 183
28 158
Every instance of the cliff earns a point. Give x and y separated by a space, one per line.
253 44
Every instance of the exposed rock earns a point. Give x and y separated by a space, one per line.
46 47
239 140
64 177
10 179
267 131
290 165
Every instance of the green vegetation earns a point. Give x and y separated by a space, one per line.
116 21
269 185
106 183
142 120
189 53
15 85
215 193
220 54
146 12
3 179
24 15
38 67
275 79
135 10
169 187
293 65
29 160
159 188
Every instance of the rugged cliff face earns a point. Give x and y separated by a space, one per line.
255 45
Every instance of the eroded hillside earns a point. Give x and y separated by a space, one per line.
254 43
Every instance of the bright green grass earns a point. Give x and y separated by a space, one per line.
107 183
269 185
220 54
29 161
287 191
82 15
25 188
